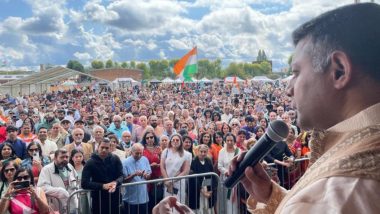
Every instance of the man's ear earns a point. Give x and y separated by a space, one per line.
341 69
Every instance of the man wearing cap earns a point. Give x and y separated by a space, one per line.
18 145
66 124
79 124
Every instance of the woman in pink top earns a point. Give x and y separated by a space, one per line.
29 199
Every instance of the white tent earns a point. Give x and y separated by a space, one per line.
124 83
69 83
155 81
232 79
167 80
261 79
205 80
117 80
178 80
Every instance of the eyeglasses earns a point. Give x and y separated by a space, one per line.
150 137
9 170
126 136
25 177
33 150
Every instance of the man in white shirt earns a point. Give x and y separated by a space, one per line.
48 146
59 179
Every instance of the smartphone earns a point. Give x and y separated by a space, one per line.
21 184
36 156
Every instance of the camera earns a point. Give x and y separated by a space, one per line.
21 184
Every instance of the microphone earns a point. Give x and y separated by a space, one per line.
278 130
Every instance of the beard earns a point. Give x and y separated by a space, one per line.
62 164
154 125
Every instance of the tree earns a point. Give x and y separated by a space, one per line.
266 67
133 64
109 63
116 65
235 69
124 65
75 65
97 64
146 74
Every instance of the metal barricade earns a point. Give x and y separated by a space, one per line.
190 190
55 203
185 189
288 176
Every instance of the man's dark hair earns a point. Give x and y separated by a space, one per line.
353 29
59 151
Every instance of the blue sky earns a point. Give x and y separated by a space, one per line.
34 32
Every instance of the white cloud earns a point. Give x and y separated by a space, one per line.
47 20
230 29
99 46
82 56
162 54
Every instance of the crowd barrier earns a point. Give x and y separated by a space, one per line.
221 200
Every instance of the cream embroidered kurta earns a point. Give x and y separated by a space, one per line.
344 176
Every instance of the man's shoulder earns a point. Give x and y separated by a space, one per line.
48 167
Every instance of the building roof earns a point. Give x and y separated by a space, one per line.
49 76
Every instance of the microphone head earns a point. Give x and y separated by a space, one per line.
278 130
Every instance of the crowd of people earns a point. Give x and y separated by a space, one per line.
98 140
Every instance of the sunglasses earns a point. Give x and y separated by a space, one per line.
78 134
20 178
33 150
151 137
9 170
235 124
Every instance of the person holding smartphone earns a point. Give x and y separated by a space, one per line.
22 196
136 168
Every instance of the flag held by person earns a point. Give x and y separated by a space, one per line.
187 66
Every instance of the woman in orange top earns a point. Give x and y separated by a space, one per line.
216 147
26 134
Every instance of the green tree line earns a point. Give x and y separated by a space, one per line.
160 69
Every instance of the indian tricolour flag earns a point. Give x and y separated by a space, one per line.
187 65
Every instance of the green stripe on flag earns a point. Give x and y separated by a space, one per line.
189 71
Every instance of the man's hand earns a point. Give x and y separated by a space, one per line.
167 205
255 180
139 173
111 187
146 175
